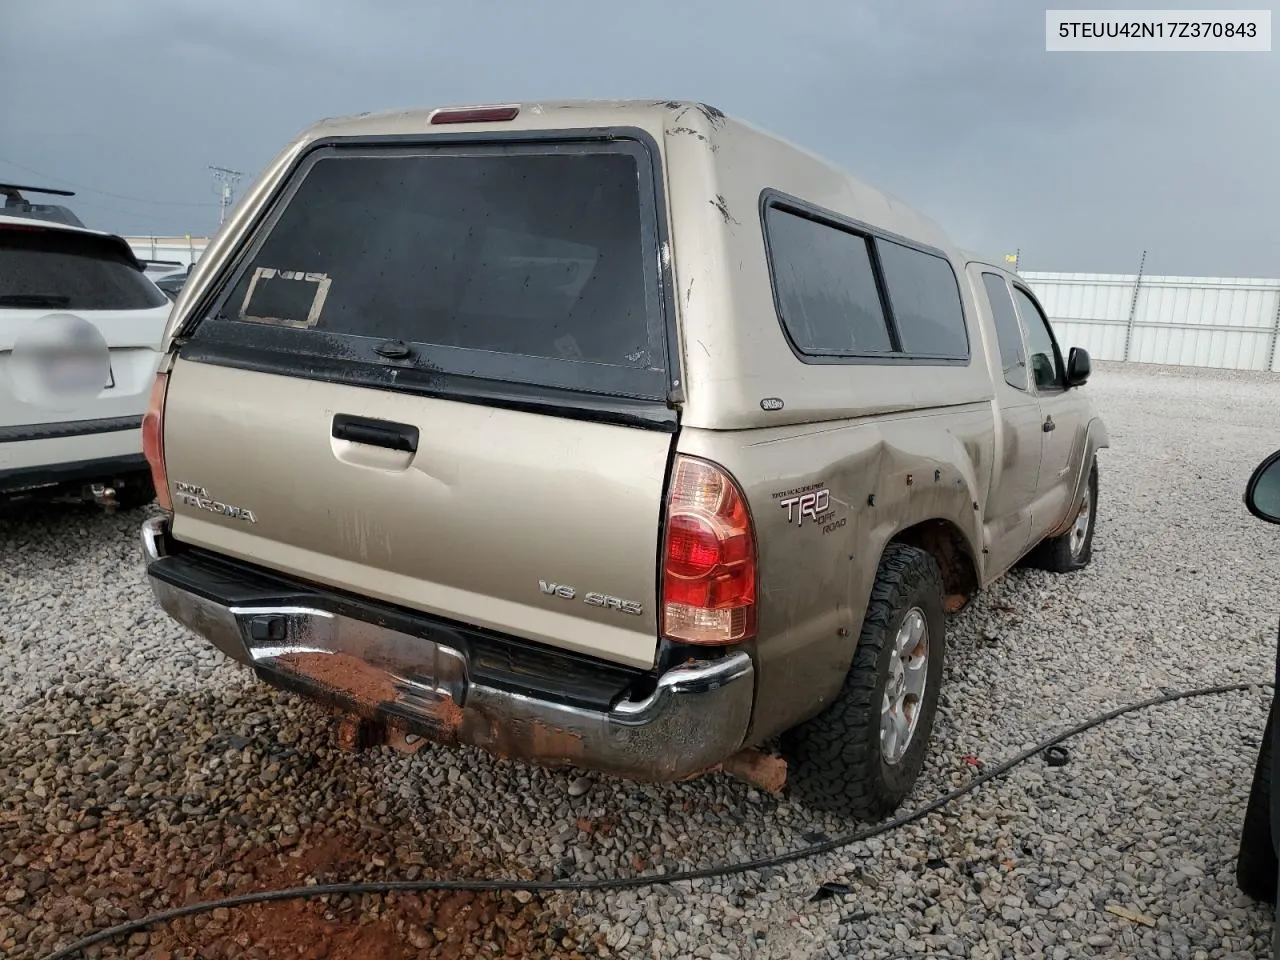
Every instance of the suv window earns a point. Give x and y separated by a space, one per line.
1013 358
826 289
1045 367
53 269
925 299
525 262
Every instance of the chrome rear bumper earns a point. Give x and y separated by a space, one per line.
696 716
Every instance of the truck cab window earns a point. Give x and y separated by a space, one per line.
1045 366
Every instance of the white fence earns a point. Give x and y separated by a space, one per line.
183 250
1187 321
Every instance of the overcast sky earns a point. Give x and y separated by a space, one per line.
1081 160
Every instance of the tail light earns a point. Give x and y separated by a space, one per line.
709 558
153 439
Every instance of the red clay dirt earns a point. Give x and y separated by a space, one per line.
340 671
215 814
444 925
766 771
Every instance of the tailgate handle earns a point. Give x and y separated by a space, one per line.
376 433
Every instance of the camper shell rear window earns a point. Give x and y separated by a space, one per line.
529 262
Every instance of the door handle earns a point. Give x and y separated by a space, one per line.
1049 424
376 433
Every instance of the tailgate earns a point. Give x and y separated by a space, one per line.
494 508
439 379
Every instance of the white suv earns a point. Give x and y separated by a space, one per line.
91 447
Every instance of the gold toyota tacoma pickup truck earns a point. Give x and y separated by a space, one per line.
620 435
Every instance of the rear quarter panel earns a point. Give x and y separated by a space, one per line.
920 439
884 475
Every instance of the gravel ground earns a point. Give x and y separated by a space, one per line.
139 770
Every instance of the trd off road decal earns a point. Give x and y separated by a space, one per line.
809 505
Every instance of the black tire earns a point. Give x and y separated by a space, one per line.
1060 554
834 760
136 492
1256 863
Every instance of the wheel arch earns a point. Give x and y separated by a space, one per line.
1095 439
951 550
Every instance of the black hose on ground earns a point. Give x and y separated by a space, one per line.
643 880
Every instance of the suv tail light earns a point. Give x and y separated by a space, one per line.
708 558
153 440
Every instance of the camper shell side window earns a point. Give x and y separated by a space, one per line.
847 293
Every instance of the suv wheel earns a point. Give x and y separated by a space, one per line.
1074 549
861 756
136 492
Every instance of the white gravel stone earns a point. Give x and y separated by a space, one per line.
1145 814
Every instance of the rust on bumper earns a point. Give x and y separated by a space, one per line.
696 717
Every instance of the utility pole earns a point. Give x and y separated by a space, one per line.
226 180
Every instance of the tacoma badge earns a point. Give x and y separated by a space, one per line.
196 496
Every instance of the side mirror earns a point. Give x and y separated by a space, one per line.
1078 367
1262 494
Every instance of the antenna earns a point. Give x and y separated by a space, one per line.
227 180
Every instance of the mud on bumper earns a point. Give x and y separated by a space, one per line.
451 683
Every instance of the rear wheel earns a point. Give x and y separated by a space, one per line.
861 756
1256 863
1074 549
